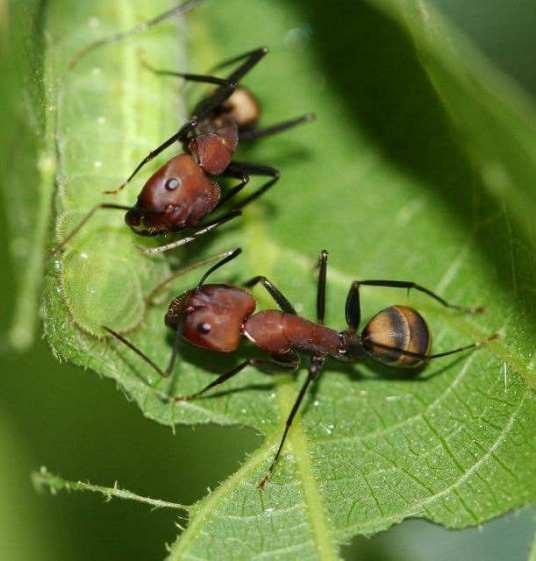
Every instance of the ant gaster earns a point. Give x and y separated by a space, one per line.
216 317
184 191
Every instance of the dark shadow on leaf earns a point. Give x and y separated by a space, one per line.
370 61
415 375
231 391
217 363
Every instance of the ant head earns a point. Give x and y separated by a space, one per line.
177 196
243 108
397 327
213 148
211 316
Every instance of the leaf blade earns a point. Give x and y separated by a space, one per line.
27 167
381 450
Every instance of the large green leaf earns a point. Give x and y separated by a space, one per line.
25 167
532 553
420 167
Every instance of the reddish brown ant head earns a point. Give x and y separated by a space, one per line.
214 147
243 108
179 195
212 316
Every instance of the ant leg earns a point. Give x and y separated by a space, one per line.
432 356
141 27
235 190
84 220
409 285
254 134
246 169
174 352
186 76
139 352
203 229
352 308
292 364
201 263
208 104
274 292
352 301
321 290
252 59
317 361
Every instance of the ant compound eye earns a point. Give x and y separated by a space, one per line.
172 184
204 328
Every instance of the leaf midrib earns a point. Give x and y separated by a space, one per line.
324 536
208 505
255 230
315 508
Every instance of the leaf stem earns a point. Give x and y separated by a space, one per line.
44 479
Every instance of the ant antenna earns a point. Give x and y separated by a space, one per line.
140 353
229 257
82 222
176 274
140 28
476 345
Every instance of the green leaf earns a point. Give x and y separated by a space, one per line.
532 553
43 479
26 167
420 167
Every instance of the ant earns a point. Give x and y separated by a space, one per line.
216 316
184 191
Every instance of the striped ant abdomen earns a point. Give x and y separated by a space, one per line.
243 107
395 329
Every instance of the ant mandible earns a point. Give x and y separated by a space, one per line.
184 191
217 316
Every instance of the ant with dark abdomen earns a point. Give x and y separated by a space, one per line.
216 317
184 191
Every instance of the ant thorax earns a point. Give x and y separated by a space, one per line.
213 144
279 333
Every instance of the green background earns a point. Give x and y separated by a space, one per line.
80 426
